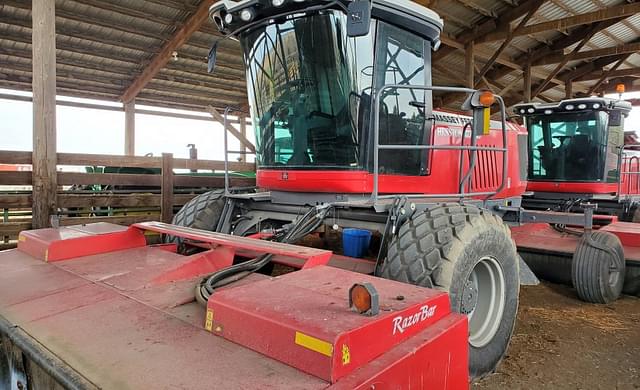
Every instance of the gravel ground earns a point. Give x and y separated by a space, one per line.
563 343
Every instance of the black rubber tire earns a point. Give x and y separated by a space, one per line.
632 281
440 247
590 268
202 212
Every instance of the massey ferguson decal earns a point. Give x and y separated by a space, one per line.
400 323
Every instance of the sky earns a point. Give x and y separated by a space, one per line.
93 131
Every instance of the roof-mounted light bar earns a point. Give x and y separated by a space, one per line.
573 105
232 16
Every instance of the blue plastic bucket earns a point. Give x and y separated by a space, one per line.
355 242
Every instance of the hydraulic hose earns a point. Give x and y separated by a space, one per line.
305 225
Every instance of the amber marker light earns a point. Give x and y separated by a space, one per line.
363 298
487 98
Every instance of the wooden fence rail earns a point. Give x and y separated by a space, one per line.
121 198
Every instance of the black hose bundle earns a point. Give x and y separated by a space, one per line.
305 225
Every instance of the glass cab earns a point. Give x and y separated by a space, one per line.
578 140
311 84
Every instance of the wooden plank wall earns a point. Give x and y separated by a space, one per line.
118 202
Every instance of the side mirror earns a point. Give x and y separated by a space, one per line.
359 18
211 58
615 118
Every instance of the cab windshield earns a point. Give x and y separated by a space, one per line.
569 147
306 79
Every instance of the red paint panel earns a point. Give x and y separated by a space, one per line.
576 188
199 264
443 175
312 255
75 241
436 358
265 316
542 236
627 232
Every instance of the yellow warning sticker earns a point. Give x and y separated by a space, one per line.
208 325
486 126
22 238
314 344
346 355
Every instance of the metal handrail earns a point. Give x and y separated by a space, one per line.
227 151
622 173
377 146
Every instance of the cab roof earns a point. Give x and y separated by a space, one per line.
404 13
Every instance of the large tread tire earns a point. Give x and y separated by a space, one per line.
632 281
591 268
202 212
440 247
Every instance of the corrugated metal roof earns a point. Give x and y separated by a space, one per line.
103 46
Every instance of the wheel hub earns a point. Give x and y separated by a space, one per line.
469 297
484 300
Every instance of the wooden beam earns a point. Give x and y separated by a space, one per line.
191 25
236 133
568 89
597 53
469 61
490 25
613 12
610 74
509 38
166 194
132 200
544 49
130 128
597 84
44 112
560 66
527 82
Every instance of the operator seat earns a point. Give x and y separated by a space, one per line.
582 156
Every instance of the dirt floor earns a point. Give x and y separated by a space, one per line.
562 343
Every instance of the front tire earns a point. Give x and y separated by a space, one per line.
202 212
469 253
598 268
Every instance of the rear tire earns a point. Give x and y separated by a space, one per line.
202 212
632 281
598 274
468 253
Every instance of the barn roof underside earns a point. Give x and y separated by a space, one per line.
104 47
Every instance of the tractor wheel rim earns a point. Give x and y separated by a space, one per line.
488 282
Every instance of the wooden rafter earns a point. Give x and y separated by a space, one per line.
561 65
634 72
633 47
507 41
232 129
568 22
606 75
484 28
191 25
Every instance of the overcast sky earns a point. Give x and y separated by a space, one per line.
98 131
83 130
